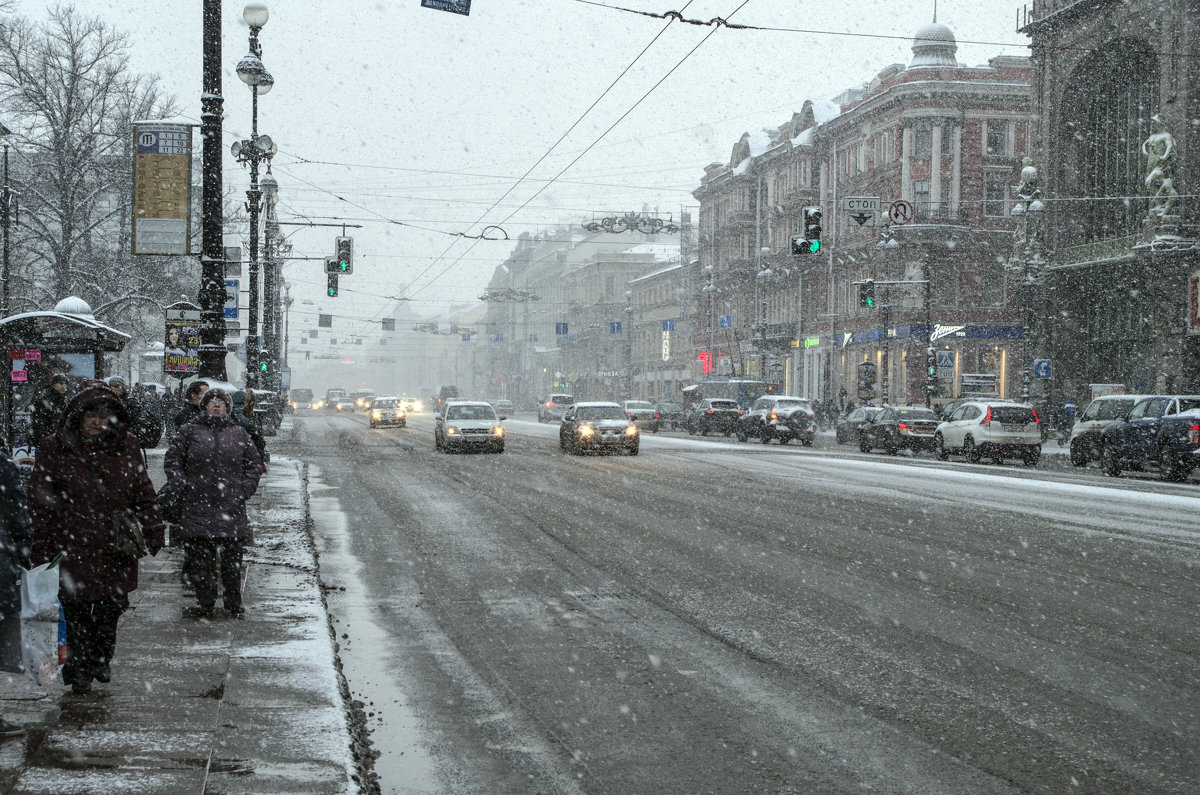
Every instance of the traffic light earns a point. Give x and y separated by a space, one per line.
812 228
866 294
331 288
306 356
331 265
264 367
345 254
932 385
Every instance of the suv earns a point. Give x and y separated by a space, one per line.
781 417
1085 433
714 414
555 407
993 428
387 411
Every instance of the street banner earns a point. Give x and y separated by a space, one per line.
162 178
181 340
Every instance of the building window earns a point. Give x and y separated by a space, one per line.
997 138
995 199
923 139
921 197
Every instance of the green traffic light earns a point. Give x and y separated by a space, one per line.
345 266
814 246
870 303
262 366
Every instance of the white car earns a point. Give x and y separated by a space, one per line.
1085 433
555 407
642 412
468 425
994 429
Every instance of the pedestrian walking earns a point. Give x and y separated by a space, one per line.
142 424
89 482
16 535
191 403
47 409
215 467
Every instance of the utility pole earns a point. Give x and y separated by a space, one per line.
7 216
212 257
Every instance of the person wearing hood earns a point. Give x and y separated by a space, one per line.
215 467
88 479
48 408
139 423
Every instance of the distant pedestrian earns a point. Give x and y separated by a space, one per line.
243 415
87 480
144 426
48 407
191 403
16 534
1069 408
213 464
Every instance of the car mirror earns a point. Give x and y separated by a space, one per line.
503 417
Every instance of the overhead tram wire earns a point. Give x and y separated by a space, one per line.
541 159
602 135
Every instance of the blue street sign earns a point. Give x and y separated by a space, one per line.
1043 369
466 337
231 299
669 324
614 327
560 328
945 360
533 337
726 321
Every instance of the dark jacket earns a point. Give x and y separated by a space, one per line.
77 488
249 423
215 466
45 414
16 535
189 412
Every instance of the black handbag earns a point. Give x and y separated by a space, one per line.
127 536
170 504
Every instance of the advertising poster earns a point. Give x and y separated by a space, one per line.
181 341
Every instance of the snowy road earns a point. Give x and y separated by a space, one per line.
712 616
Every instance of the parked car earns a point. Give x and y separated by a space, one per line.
642 412
468 425
781 417
387 411
714 415
846 429
896 428
1085 433
991 428
554 407
596 427
670 416
1161 430
505 408
946 410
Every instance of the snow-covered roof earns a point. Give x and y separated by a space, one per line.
661 251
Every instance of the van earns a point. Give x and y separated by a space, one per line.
1085 433
447 392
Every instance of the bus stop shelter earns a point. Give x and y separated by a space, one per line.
67 340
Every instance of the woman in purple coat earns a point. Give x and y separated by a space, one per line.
215 467
88 475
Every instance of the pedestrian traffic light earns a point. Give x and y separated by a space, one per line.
345 254
264 366
331 288
866 294
812 228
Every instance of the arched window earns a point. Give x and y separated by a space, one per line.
1106 112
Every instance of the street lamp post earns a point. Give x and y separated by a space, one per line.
212 259
271 245
762 280
254 150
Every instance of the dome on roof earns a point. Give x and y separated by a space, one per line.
73 305
934 45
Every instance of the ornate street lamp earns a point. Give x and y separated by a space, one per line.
257 148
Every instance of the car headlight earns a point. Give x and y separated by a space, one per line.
586 430
498 430
631 430
451 430
376 415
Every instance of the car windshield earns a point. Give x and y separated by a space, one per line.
669 407
791 404
724 404
470 413
638 404
1108 409
1187 404
385 404
916 414
592 413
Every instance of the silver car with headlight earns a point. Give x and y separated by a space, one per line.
468 425
597 426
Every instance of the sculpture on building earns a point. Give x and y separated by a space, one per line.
1028 210
1159 150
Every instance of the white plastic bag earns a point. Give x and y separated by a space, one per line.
39 622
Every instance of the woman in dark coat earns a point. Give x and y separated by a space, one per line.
215 467
85 478
16 533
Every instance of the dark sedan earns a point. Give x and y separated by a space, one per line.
896 428
595 427
717 415
848 427
670 416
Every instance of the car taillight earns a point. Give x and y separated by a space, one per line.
629 415
773 416
903 427
987 418
657 415
1194 434
549 405
1035 416
710 411
740 412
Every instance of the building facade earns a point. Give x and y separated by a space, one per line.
940 142
1116 144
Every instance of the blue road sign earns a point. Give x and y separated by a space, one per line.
669 324
945 359
726 321
614 327
1043 369
560 328
231 299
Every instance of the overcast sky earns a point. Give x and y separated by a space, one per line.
415 123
